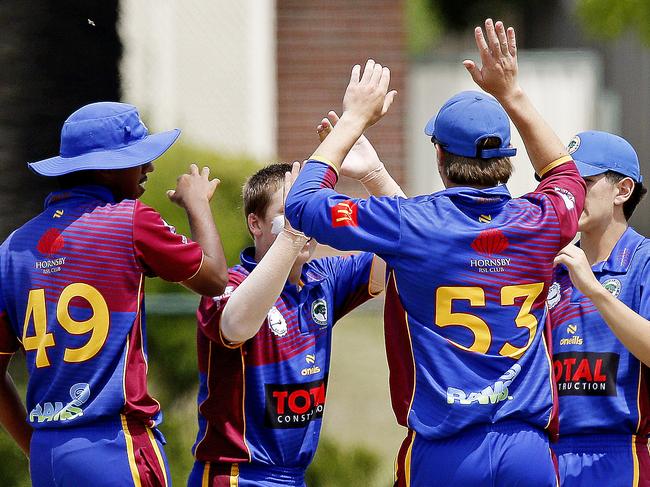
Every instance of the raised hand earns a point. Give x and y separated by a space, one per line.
193 187
367 98
498 51
362 159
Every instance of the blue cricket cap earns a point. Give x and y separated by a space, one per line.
597 152
465 120
105 135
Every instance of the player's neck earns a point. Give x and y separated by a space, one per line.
598 243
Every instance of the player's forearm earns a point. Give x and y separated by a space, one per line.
339 142
632 329
381 183
213 274
251 301
542 144
13 414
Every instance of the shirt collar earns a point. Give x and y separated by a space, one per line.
496 195
621 255
85 192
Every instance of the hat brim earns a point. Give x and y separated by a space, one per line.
587 170
146 150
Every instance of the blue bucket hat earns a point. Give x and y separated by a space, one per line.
105 135
597 152
465 120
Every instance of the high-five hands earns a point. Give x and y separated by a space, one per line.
367 98
362 160
498 73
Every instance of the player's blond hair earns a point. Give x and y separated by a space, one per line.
261 186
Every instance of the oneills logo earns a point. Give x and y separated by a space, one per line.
344 214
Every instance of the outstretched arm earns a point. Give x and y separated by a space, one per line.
498 76
13 415
632 329
250 303
314 208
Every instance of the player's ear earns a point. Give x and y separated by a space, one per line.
440 157
625 188
254 225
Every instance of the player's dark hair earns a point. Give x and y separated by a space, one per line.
635 198
260 187
473 171
77 178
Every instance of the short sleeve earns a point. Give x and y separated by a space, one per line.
563 186
350 276
160 251
211 308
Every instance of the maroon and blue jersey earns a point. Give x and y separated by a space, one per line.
602 387
262 401
72 297
469 270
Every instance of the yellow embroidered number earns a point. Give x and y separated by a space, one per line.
524 319
480 329
444 316
41 339
97 325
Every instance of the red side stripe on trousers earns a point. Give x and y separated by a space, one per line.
644 461
152 473
401 466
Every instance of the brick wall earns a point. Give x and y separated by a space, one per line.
317 45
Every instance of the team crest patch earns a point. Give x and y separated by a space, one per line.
574 144
613 286
554 295
344 214
277 322
319 312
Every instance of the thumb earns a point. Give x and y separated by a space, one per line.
474 72
171 193
388 101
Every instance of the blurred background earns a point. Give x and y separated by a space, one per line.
248 81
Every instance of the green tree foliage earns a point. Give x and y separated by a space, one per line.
424 27
336 466
611 18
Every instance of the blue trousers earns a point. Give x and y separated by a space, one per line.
105 454
208 474
603 459
508 454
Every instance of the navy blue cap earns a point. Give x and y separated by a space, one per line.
465 120
597 152
105 135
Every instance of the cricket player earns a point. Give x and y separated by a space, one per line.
469 269
72 298
264 345
600 306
